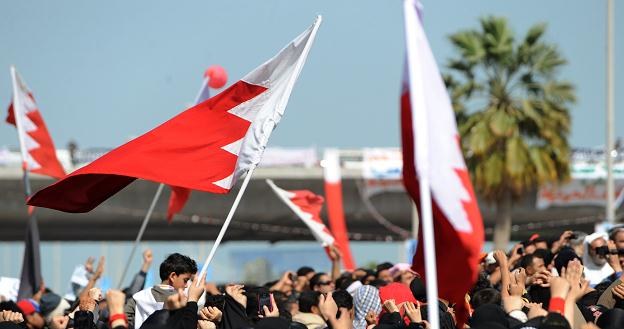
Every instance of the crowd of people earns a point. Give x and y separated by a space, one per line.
571 281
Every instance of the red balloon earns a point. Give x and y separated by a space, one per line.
217 77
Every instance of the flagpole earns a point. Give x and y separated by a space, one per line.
32 231
148 215
422 154
228 219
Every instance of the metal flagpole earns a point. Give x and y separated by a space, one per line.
417 98
610 152
228 219
148 215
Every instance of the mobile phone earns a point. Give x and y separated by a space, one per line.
520 251
293 277
264 299
217 301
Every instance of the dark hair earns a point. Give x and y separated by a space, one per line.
10 306
305 270
555 321
344 282
178 264
485 296
383 267
307 299
316 278
526 261
377 283
343 299
544 254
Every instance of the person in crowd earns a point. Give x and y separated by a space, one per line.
309 311
383 272
322 283
175 273
304 274
32 313
595 261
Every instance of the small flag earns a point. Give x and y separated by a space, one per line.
307 206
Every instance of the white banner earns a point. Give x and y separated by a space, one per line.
279 156
382 163
578 192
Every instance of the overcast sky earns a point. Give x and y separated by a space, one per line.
106 71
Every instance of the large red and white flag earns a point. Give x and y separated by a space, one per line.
207 147
307 206
179 195
458 227
38 152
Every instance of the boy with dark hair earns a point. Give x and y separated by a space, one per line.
175 273
309 312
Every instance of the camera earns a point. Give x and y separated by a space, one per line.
602 251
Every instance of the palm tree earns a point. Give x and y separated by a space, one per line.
512 113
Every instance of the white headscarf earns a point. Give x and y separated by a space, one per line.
595 273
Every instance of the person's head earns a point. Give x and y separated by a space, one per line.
309 302
177 270
359 273
383 272
555 321
368 277
596 242
485 296
306 272
31 311
565 255
344 282
546 257
343 299
617 236
611 319
532 264
540 243
322 283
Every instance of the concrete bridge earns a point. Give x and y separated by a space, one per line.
260 216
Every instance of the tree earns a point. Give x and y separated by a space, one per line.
512 113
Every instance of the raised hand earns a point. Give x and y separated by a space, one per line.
87 303
115 300
89 264
413 311
176 301
10 316
618 291
573 274
237 292
371 318
328 306
559 287
210 313
148 257
196 288
518 278
273 313
390 306
100 269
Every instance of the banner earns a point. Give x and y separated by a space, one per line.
578 192
381 171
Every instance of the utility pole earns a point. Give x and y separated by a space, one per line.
610 152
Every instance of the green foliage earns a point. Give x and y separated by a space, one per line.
512 110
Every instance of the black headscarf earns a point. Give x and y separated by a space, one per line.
488 314
611 319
